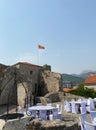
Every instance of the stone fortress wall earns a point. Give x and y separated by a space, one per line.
32 80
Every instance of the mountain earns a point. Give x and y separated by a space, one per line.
77 78
85 74
74 79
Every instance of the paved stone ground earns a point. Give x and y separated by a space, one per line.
67 117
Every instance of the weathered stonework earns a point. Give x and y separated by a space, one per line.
37 80
51 125
16 124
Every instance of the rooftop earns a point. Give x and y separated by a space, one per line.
91 79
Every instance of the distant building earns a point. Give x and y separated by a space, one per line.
90 82
67 84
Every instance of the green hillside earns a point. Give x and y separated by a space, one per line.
75 80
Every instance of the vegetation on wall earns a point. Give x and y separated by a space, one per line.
85 92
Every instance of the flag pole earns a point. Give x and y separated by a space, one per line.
38 57
40 47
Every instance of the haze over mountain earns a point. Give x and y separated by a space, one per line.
84 74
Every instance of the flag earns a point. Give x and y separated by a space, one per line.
41 47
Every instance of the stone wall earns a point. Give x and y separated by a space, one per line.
50 82
16 124
8 90
69 97
52 125
38 81
28 123
31 74
2 68
55 96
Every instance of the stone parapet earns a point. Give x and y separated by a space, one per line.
51 125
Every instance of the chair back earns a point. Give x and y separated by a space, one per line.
83 107
55 113
27 106
92 104
89 126
51 115
92 115
58 107
83 104
82 110
81 124
34 113
74 107
42 114
67 107
83 117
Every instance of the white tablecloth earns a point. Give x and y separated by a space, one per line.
41 108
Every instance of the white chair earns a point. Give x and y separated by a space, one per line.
81 124
90 107
58 107
89 100
82 119
34 113
82 110
65 102
27 106
42 114
93 116
94 101
61 108
84 100
83 104
51 115
55 113
83 107
79 100
67 107
74 108
89 126
59 116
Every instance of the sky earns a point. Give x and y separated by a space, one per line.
66 28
